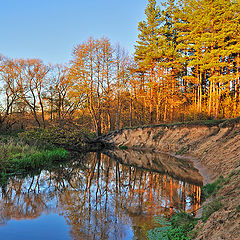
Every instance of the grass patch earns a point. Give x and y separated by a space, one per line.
178 227
181 225
32 150
238 208
123 147
212 188
210 208
38 160
16 156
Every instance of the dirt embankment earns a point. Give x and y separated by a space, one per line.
215 150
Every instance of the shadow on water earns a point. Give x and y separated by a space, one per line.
98 197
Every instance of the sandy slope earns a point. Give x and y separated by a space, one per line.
217 152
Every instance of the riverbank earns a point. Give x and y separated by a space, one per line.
37 149
19 157
215 146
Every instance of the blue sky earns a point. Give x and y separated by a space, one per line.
48 29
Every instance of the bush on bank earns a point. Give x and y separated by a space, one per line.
70 139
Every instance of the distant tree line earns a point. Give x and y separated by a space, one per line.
185 67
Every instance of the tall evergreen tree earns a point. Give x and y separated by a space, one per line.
147 49
207 33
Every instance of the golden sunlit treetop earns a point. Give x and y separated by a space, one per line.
186 66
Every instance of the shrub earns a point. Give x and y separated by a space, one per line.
54 136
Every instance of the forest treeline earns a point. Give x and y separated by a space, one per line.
185 67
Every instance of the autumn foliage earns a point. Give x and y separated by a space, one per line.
185 67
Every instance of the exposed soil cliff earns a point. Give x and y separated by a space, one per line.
215 149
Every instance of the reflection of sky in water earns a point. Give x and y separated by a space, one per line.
41 228
102 199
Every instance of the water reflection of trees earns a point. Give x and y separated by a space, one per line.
101 200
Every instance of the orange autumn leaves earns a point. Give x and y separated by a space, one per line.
186 66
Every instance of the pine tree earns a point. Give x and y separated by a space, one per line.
170 64
147 49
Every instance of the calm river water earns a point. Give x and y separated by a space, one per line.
99 196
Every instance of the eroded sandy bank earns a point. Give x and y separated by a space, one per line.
215 151
216 148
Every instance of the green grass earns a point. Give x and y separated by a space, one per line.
210 208
38 160
36 149
123 147
212 188
178 227
16 156
181 225
238 208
